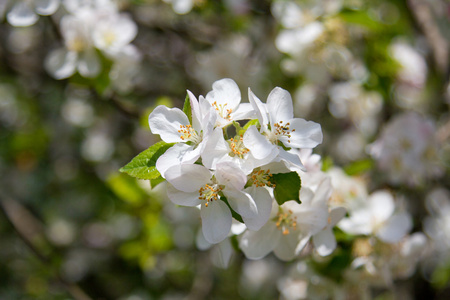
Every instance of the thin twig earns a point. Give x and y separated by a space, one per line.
426 22
28 228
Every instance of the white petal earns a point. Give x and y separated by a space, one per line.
221 254
225 93
166 122
21 15
259 146
195 111
89 63
285 250
359 223
215 149
175 155
395 228
336 214
201 242
260 109
307 134
243 112
241 202
60 63
182 7
381 205
279 105
216 221
303 240
46 7
230 175
257 244
324 242
182 198
263 202
291 159
188 177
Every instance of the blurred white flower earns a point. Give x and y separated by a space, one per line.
290 226
408 150
378 217
26 12
350 100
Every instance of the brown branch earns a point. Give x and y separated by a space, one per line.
29 230
425 20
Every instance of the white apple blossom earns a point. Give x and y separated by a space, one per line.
26 12
173 126
278 125
225 98
193 185
290 226
78 53
90 25
378 217
217 150
407 150
324 241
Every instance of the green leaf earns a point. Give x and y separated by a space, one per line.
187 108
287 187
359 167
156 181
126 188
143 165
361 18
327 163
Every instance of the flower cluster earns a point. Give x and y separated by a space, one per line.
89 28
244 161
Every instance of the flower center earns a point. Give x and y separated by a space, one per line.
285 221
278 129
223 112
237 147
109 37
209 193
76 44
262 178
189 134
